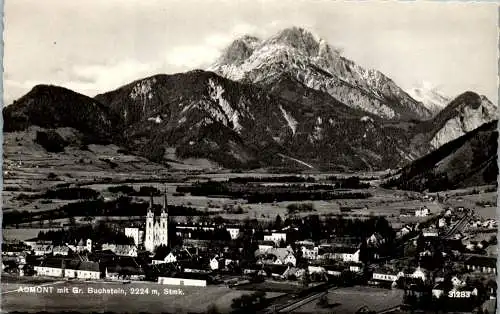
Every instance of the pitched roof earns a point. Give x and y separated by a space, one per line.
161 255
280 253
124 249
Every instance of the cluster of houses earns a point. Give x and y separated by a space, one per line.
417 212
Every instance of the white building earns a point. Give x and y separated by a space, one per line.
422 212
68 269
347 254
42 249
62 250
135 234
389 276
234 232
121 249
156 227
309 252
276 237
182 282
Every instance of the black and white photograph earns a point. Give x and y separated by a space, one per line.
250 156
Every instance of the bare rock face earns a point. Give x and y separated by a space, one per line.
313 62
465 113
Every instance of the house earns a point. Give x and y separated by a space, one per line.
326 252
265 245
439 289
83 246
55 267
189 279
201 265
42 249
333 270
135 234
355 267
276 270
387 275
375 240
121 249
164 258
482 264
276 256
62 250
316 269
234 232
216 263
430 232
276 237
347 254
50 268
457 282
293 272
123 268
419 273
83 270
422 212
309 252
441 223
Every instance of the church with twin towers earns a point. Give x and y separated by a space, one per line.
156 225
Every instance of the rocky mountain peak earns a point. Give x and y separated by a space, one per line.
466 112
430 96
239 50
297 38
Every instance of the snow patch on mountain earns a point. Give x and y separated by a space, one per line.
216 93
292 123
430 97
312 61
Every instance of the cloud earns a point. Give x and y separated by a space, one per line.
205 53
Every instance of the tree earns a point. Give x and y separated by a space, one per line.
278 222
323 301
306 279
212 309
282 243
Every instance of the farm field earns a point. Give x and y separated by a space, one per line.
194 299
351 299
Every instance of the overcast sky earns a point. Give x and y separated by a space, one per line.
93 46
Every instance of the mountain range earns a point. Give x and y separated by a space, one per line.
290 100
469 160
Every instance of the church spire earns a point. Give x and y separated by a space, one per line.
151 201
165 201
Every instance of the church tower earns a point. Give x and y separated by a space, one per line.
149 236
156 226
164 220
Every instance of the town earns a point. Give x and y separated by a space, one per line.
437 263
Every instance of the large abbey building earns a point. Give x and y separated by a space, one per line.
156 226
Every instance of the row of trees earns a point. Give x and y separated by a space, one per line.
122 206
101 233
267 194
